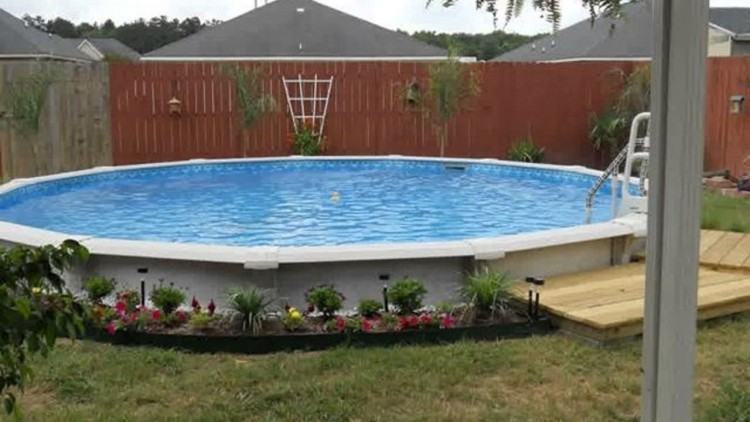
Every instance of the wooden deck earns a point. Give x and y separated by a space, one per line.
608 304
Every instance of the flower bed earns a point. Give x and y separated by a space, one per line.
254 325
320 341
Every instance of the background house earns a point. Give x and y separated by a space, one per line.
297 30
101 49
631 38
19 41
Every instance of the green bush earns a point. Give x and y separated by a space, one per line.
167 298
306 142
97 288
201 321
526 151
369 308
326 300
407 294
487 292
253 305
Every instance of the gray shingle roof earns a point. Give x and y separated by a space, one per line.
110 47
629 38
735 19
279 29
19 41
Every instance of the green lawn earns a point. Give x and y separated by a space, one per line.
724 213
541 379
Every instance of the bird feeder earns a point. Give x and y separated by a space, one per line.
175 107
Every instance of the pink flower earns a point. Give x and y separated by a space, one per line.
406 322
181 316
111 328
367 325
340 324
211 307
156 315
447 321
120 307
425 319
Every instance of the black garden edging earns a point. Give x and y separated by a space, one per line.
311 342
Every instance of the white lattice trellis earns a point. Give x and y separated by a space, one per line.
307 100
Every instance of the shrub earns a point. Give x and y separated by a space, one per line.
326 300
369 308
526 151
487 292
306 142
252 304
201 321
407 295
167 298
97 288
35 308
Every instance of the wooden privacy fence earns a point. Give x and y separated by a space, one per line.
551 103
74 131
727 133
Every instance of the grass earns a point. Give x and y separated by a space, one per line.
541 379
725 213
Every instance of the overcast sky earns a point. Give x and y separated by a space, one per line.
410 15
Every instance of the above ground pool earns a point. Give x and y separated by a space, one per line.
307 202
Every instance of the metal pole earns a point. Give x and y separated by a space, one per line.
678 105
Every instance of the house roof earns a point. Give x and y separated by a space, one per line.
734 19
628 38
109 47
19 41
296 29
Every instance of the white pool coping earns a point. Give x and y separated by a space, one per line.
271 257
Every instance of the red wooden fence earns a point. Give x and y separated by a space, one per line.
367 116
727 134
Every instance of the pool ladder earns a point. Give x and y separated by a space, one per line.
637 150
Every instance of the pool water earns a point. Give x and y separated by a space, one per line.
307 202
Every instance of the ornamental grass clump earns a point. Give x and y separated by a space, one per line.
253 305
487 292
167 298
326 300
97 288
407 294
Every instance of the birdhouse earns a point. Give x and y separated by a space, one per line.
175 107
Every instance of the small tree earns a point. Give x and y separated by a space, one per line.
250 96
451 85
35 307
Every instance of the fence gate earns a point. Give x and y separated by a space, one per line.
307 100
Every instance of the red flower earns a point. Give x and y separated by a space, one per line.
111 328
156 315
425 319
211 307
181 316
340 324
195 305
447 321
120 307
407 322
367 325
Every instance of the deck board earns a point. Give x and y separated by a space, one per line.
608 304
